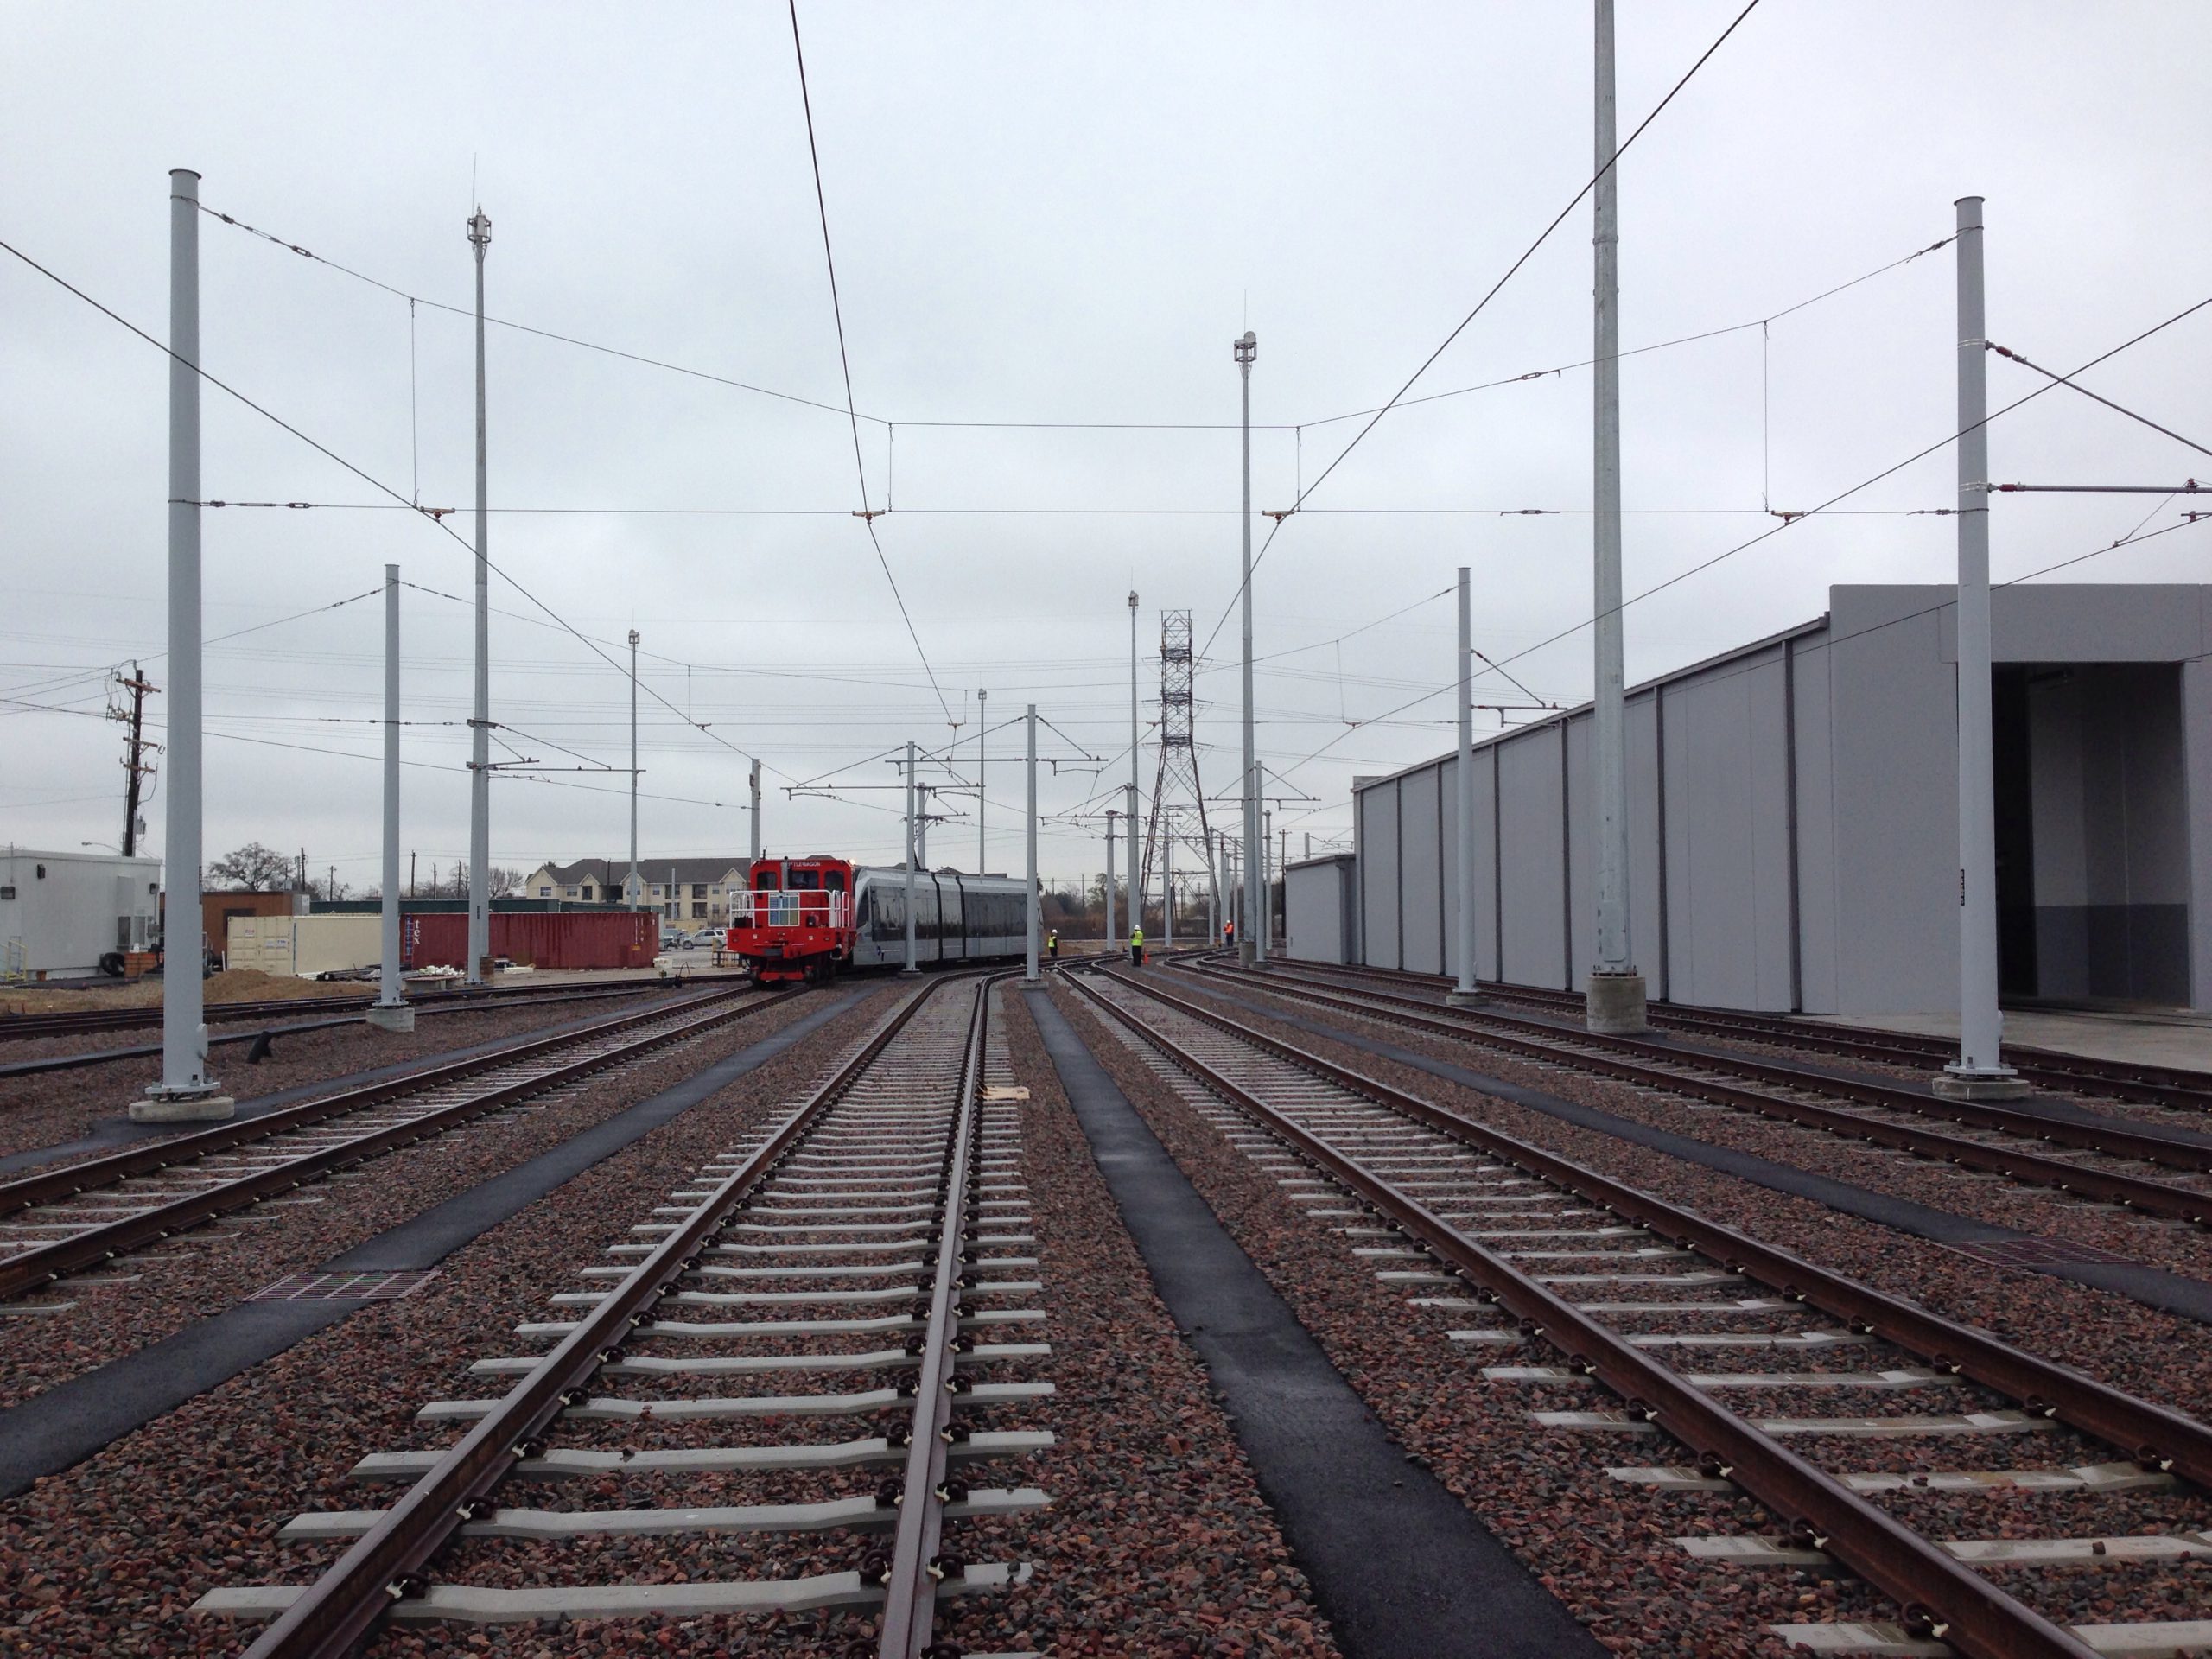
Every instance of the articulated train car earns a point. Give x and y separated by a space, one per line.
809 917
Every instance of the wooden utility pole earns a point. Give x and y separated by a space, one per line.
136 768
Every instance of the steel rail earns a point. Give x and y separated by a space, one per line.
143 1051
2105 1135
99 1244
1942 1597
2155 1436
2162 1085
2132 1192
70 1021
386 1563
917 1563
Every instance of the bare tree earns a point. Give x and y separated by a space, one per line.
254 868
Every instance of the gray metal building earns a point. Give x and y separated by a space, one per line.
1793 816
1321 909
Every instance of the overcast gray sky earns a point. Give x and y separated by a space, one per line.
1038 214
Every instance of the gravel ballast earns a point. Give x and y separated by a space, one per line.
1605 1546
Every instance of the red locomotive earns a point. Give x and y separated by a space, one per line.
807 918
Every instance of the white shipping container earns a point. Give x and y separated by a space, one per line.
60 912
305 946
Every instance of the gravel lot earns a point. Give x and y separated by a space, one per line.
231 1258
55 1107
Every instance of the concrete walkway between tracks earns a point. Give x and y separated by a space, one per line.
2158 1288
49 1432
1393 1557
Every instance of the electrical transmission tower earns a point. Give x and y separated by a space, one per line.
137 769
1176 788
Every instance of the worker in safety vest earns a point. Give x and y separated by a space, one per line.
1228 933
1136 946
1052 945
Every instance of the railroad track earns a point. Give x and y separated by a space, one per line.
263 1041
1542 1250
2094 1157
84 1215
2161 1086
70 1022
858 1254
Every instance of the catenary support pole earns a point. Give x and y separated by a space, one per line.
390 1012
1213 891
1252 944
1029 722
983 752
1615 1000
1465 992
1137 869
479 746
912 857
186 1092
1980 1071
633 892
1166 875
1109 935
753 780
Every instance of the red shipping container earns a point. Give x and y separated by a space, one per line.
579 938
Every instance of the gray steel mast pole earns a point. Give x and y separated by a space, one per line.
633 774
390 1012
1030 723
754 778
909 859
1980 1071
1213 893
1167 876
186 1092
1615 1000
1251 943
1136 872
982 751
1466 993
479 750
1109 878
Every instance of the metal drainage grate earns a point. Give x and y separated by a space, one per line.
345 1286
2039 1253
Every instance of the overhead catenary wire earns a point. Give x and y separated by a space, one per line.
1529 253
2067 380
845 362
367 478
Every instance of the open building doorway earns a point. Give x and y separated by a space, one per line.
2092 833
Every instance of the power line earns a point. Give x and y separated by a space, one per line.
837 310
1528 254
374 483
1102 512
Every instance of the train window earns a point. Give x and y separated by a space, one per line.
834 881
804 881
764 878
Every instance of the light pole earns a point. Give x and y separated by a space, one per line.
186 1092
1614 999
1136 876
1111 815
1465 995
983 752
634 882
753 778
1979 1072
479 746
910 967
1251 943
390 1012
1030 723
